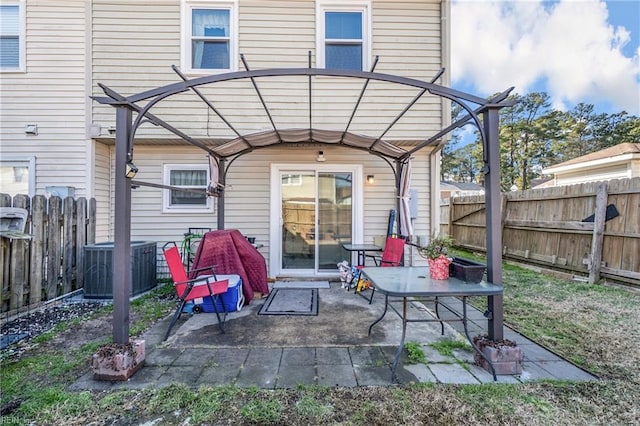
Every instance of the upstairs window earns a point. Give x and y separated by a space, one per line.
12 36
343 37
209 37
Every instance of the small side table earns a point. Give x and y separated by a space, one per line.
361 249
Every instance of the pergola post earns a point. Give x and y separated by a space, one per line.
490 120
221 194
122 240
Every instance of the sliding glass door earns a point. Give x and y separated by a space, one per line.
316 218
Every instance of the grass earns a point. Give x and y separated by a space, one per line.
415 353
596 326
445 347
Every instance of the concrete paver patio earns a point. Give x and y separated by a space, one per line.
330 349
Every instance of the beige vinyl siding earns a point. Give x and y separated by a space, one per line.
609 172
103 191
135 45
51 93
247 196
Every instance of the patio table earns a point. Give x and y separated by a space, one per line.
403 283
360 249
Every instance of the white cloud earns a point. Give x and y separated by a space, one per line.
568 45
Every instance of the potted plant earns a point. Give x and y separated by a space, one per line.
436 254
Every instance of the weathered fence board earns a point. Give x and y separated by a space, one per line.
37 261
50 263
547 227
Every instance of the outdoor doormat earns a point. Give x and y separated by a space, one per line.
291 301
301 284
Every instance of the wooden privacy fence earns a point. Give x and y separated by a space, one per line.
50 263
592 229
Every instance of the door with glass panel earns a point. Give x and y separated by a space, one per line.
316 218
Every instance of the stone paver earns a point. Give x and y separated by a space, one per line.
216 375
257 376
161 356
485 377
181 374
421 373
229 357
367 356
290 376
532 371
372 376
298 356
194 356
565 371
336 375
537 353
333 356
452 373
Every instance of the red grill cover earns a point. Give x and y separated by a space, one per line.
229 252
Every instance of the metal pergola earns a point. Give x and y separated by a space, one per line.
481 112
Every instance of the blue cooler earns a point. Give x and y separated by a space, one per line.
233 299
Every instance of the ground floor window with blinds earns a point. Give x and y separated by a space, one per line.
189 182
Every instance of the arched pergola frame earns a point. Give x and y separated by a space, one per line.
482 113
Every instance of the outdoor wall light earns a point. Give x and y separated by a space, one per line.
320 157
130 170
370 179
31 129
112 130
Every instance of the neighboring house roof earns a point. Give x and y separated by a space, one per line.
460 186
620 152
542 183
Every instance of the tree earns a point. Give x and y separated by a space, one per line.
534 136
527 130
461 163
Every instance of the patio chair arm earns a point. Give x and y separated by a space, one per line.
194 271
190 283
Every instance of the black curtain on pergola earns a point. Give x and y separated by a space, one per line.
481 112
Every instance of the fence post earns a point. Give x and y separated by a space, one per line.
598 233
18 275
5 201
81 239
68 244
36 276
53 246
91 221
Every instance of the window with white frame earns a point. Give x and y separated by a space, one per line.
209 36
193 179
291 180
17 176
12 44
343 35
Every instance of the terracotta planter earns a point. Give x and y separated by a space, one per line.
439 268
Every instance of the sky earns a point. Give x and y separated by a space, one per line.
575 50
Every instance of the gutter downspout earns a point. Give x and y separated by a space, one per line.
445 112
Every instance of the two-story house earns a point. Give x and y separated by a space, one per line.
309 178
